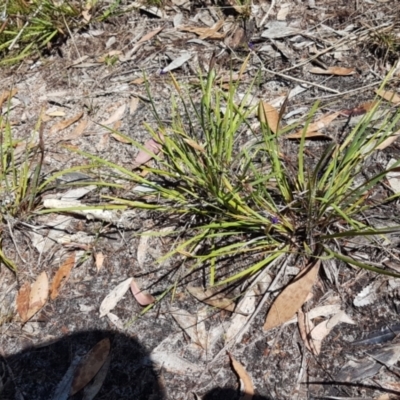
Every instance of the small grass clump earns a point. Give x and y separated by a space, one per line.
29 28
238 196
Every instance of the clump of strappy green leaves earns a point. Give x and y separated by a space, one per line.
237 196
22 181
28 27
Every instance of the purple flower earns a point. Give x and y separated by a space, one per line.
274 220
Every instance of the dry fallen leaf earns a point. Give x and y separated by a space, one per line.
137 81
313 128
387 142
291 298
23 301
152 147
118 114
359 110
6 95
142 249
333 71
245 377
90 365
112 299
133 105
59 126
62 275
303 322
206 297
268 115
149 35
195 145
99 259
141 296
388 95
38 295
323 329
205 33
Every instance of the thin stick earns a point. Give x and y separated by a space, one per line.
327 89
267 14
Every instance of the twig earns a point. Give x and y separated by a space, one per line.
302 81
267 14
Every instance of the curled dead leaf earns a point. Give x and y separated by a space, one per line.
152 147
142 297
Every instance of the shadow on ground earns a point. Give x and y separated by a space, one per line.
228 394
35 373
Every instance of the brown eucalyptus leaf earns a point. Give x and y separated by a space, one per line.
206 296
59 126
90 365
62 276
268 114
388 95
292 297
388 141
245 377
314 128
23 301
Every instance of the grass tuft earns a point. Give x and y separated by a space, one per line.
238 195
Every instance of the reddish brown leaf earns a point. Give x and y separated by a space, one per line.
62 275
141 296
360 110
245 377
23 301
90 365
291 298
152 147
